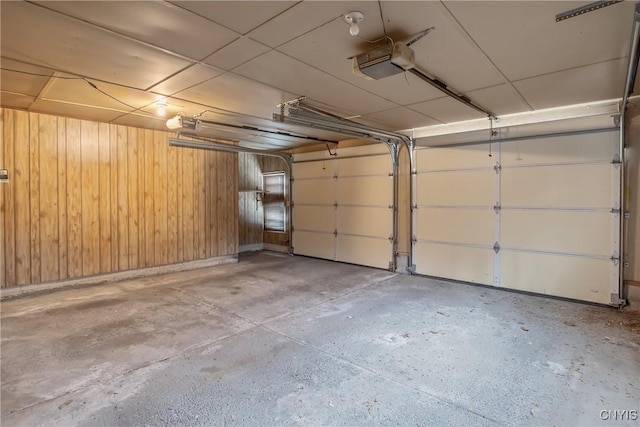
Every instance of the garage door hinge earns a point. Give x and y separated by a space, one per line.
497 167
335 205
335 233
616 160
497 207
496 247
615 209
335 177
292 204
414 240
391 239
615 258
293 229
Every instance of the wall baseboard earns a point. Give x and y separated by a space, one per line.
254 247
276 248
20 291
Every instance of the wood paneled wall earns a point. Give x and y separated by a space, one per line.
88 198
251 168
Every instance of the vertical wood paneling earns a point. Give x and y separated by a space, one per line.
132 184
143 135
48 212
160 198
149 247
113 189
22 206
179 204
104 202
87 198
63 249
187 204
90 198
123 198
172 204
3 190
74 198
34 196
202 220
212 201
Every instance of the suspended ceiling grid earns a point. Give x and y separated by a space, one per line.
246 56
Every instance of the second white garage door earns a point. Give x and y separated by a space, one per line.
343 205
539 215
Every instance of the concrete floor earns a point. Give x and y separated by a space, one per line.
279 340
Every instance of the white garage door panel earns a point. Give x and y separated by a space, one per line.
570 277
371 191
351 195
319 245
365 221
455 262
316 218
575 186
364 251
468 157
320 169
581 232
459 188
455 225
374 165
562 149
313 191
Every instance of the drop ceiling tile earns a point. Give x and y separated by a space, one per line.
281 71
36 35
81 93
590 83
193 75
447 110
158 23
21 83
523 39
236 94
302 18
239 16
499 100
73 110
400 118
236 53
15 100
446 53
144 121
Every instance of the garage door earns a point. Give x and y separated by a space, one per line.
343 205
539 215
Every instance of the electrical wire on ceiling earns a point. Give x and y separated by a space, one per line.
384 28
89 82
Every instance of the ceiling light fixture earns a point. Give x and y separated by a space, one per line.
352 18
161 108
584 9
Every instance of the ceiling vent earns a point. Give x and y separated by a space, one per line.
384 61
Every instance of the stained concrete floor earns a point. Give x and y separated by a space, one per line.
279 340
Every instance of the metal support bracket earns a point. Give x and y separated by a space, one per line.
496 247
497 207
615 258
497 167
617 301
